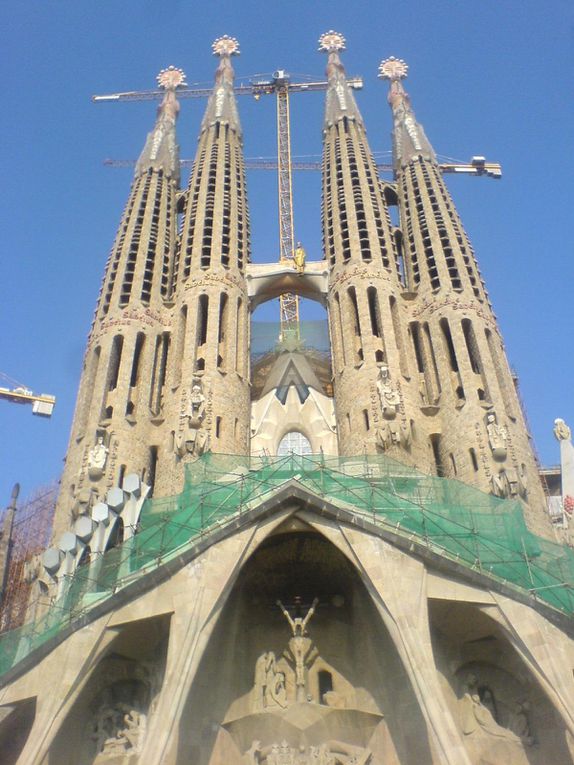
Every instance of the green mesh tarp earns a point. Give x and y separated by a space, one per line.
452 519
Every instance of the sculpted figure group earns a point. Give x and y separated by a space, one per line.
331 753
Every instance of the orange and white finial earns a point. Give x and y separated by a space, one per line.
171 78
225 46
393 69
331 42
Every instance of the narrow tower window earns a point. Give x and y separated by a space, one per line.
436 452
152 467
88 390
474 358
358 345
399 339
502 376
456 380
240 340
201 332
180 346
159 372
222 332
135 373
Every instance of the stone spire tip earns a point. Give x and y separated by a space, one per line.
409 139
331 42
393 69
225 46
171 78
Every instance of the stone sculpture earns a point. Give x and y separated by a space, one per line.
497 437
389 397
507 483
269 683
118 730
301 650
520 722
97 458
561 431
330 753
299 257
390 434
194 440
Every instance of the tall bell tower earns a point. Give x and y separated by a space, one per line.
122 391
166 371
372 404
210 368
468 409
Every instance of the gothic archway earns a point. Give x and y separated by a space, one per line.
299 664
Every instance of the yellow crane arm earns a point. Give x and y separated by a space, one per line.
42 405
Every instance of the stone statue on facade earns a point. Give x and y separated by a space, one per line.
520 722
301 650
497 437
390 434
194 440
118 730
508 483
97 458
389 397
269 683
84 499
299 257
329 753
561 431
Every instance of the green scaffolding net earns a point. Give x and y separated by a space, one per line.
456 521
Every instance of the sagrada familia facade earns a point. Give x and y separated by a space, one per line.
391 590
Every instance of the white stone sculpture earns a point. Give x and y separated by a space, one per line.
497 437
194 440
389 397
269 683
302 653
97 458
118 730
561 431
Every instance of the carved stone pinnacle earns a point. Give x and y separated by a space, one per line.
393 69
331 41
225 46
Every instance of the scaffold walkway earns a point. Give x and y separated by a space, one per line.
458 522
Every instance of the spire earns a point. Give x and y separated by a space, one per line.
409 139
161 151
340 101
221 106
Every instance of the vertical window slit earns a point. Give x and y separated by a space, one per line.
222 332
201 332
358 345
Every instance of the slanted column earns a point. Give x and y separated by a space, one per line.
372 403
469 410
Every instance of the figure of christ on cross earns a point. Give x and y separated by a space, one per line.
302 651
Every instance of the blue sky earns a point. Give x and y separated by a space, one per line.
490 78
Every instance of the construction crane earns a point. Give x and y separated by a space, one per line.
477 165
42 405
281 85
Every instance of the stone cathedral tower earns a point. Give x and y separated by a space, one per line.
301 556
167 357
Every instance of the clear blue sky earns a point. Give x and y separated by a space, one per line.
490 77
